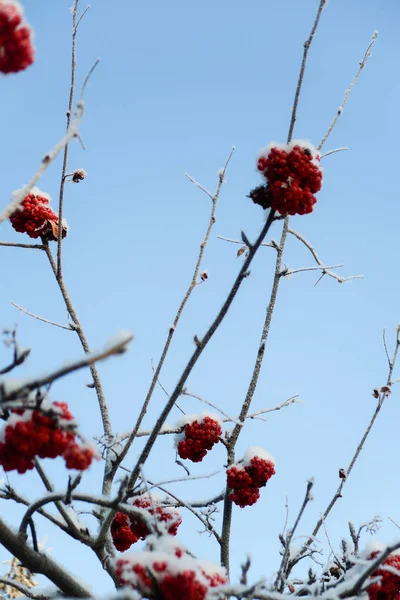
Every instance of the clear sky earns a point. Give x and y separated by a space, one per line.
178 84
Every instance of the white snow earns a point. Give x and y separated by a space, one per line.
254 451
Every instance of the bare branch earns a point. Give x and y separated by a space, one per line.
361 66
38 562
282 572
307 45
65 159
81 17
69 328
14 245
196 183
325 270
226 239
334 151
4 581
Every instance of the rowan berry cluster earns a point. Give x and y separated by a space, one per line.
388 587
167 572
246 479
293 176
126 531
47 432
16 49
36 218
199 435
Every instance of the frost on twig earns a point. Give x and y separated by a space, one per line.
361 66
26 312
325 270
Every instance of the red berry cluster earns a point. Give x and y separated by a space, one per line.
293 176
245 481
126 531
388 588
30 433
165 576
16 50
199 436
36 218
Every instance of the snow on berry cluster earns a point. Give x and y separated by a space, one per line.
16 49
199 434
36 218
246 479
293 176
44 433
388 587
167 572
126 531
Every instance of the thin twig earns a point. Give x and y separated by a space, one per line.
10 494
192 510
39 562
361 66
236 420
307 45
227 516
196 183
98 501
226 239
14 245
69 328
81 17
65 159
394 522
281 576
21 588
325 270
227 419
72 529
333 151
288 272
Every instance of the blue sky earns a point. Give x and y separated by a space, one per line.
178 84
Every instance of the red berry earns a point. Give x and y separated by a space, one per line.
78 457
36 218
199 436
245 481
388 588
16 49
30 433
138 526
293 176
